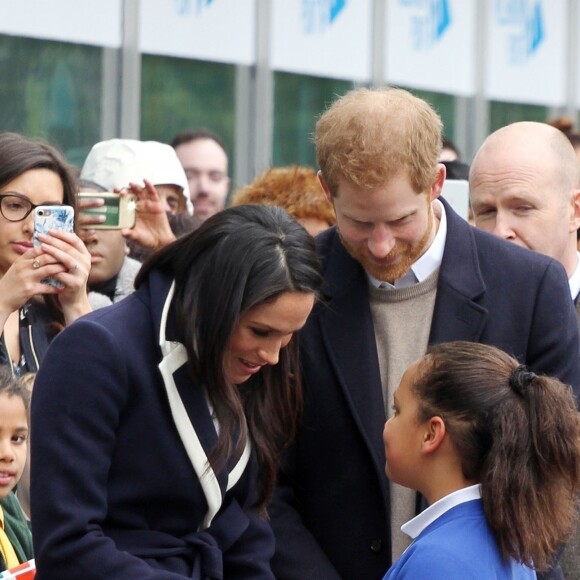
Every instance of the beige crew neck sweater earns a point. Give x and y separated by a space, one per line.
402 322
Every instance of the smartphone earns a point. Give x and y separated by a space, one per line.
48 218
119 210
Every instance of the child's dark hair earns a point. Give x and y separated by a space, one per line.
518 434
13 387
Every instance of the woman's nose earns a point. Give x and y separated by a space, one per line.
271 354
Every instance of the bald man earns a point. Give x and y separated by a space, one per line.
525 187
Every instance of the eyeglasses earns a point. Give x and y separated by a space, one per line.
15 207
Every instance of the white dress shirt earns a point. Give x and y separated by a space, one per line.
574 280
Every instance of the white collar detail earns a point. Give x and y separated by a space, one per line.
415 526
174 357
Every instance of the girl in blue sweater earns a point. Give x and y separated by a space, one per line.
495 451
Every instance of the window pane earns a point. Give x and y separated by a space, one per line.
178 94
298 102
51 90
502 114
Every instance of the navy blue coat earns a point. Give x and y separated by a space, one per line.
120 438
330 513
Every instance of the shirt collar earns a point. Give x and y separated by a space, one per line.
574 280
415 526
428 262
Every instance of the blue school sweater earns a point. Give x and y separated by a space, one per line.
457 546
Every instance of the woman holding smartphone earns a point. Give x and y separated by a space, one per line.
163 416
32 174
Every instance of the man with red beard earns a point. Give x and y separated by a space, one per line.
402 271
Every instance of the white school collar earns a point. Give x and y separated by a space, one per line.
415 526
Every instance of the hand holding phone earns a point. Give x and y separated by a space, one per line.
48 218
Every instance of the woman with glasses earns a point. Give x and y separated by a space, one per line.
31 174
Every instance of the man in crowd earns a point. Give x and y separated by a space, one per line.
402 271
112 274
117 164
525 188
205 161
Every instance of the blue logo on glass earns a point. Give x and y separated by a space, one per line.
525 23
430 20
318 15
185 7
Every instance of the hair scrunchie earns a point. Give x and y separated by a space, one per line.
521 378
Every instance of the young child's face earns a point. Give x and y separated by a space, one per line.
13 442
403 434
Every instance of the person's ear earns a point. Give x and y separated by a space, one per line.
324 187
575 211
434 435
437 185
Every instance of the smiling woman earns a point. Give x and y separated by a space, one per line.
193 377
263 331
32 174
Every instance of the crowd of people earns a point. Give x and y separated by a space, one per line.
326 374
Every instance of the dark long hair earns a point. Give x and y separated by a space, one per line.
239 259
19 154
518 434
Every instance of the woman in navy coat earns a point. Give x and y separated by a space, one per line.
157 422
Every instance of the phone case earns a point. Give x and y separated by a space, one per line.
119 211
48 218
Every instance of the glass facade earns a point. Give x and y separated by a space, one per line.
178 94
501 114
298 101
52 90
